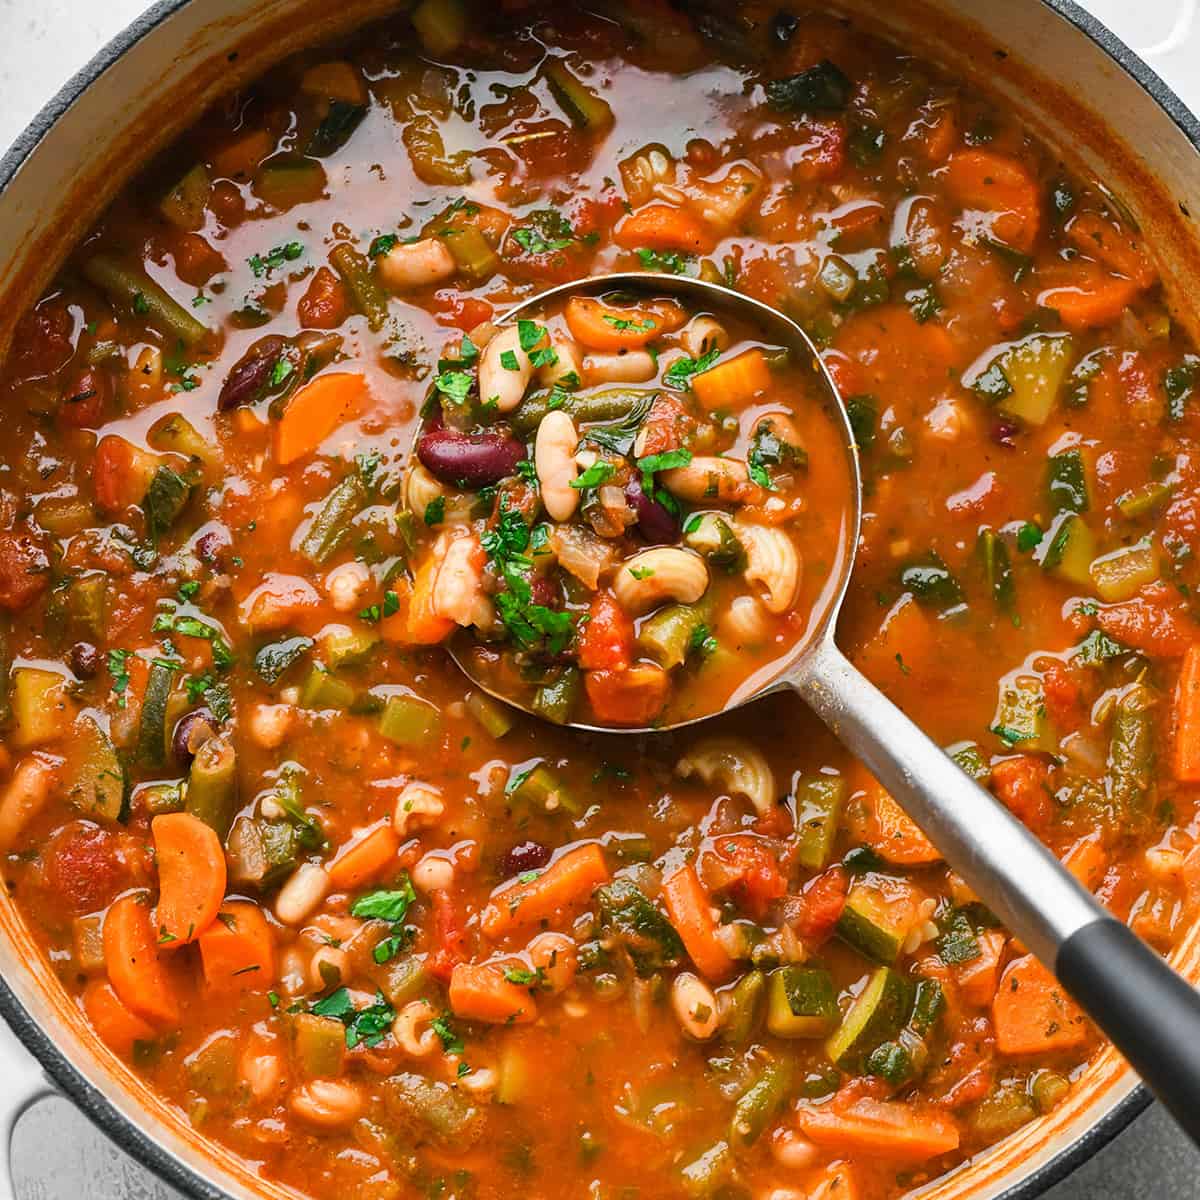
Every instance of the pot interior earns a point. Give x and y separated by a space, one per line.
186 55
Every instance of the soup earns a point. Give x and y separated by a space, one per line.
380 934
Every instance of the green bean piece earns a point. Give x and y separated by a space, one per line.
131 286
704 1176
745 1008
1066 482
667 635
997 569
609 405
152 732
554 701
158 798
818 809
1131 752
212 784
470 250
760 1102
496 717
330 526
408 721
368 297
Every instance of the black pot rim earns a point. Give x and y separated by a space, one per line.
129 1135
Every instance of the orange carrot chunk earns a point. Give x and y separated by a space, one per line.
568 882
237 950
364 858
1032 1014
664 227
482 992
1102 240
690 911
899 1132
734 383
191 877
1187 719
995 183
1091 302
116 1026
135 969
314 412
600 326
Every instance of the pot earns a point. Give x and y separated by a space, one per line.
1075 83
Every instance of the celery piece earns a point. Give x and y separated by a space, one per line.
496 717
408 721
212 1067
470 250
744 1009
1123 573
818 810
759 1104
319 1045
342 646
516 1073
431 1106
542 789
183 206
1140 502
585 109
323 690
87 937
706 1176
667 635
402 979
554 701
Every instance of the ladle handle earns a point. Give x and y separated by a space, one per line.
1151 1015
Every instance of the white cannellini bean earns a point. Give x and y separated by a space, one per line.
497 383
270 724
327 1103
433 873
416 264
567 367
458 587
792 1150
418 806
305 888
554 460
346 584
695 1006
261 1069
25 796
622 366
293 972
413 1029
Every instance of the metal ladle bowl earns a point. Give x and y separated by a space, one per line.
1149 1012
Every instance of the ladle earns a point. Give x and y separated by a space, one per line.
1149 1012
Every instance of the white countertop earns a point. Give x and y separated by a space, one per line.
57 1154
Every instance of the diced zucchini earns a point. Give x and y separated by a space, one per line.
1021 718
667 636
760 1102
712 536
321 690
212 784
837 277
1142 501
801 1002
928 1006
285 180
212 1068
273 660
1132 751
867 926
261 852
342 646
997 569
402 979
970 759
1036 368
743 1008
164 501
408 721
441 25
632 922
495 716
541 788
1001 1113
183 206
336 128
931 582
1123 573
876 1016
425 1107
818 809
42 709
1068 549
95 779
159 798
1066 482
585 109
470 250
151 750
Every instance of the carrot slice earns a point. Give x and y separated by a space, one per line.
135 969
115 1025
896 836
568 881
600 326
238 949
1102 240
881 1129
733 383
314 412
191 877
664 227
416 623
904 647
996 183
690 911
1187 719
365 857
1095 300
240 158
1032 1014
481 992
977 978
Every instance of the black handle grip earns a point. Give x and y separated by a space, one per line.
1151 1014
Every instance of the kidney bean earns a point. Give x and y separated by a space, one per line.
212 544
85 660
1004 433
250 379
655 522
472 460
525 856
192 730
545 591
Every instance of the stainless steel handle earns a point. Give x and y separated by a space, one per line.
1014 874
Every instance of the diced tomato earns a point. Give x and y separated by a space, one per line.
631 696
86 399
84 866
324 304
757 880
24 569
819 151
463 312
227 203
1062 696
1021 784
844 371
122 473
606 640
822 902
42 341
1154 622
449 938
196 261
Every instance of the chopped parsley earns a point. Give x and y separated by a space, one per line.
382 244
623 323
546 231
702 641
451 1042
119 670
368 1025
679 373
435 511
598 473
189 626
454 385
665 260
141 305
508 360
1029 537
666 461
262 264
